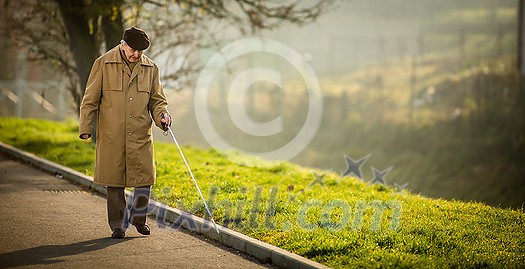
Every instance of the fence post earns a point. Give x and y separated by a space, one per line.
462 44
421 46
61 96
521 38
412 89
20 81
521 57
499 41
344 107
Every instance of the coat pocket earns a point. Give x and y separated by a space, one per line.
112 77
144 82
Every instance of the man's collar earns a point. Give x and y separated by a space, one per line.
115 57
123 56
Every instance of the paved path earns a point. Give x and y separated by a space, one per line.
49 222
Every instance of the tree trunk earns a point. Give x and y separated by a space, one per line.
82 44
112 25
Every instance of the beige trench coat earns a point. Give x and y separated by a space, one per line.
127 103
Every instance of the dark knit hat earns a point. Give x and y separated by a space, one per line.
136 38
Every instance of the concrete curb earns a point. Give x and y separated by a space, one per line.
176 218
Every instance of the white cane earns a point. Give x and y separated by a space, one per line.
193 178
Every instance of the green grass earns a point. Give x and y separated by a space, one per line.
340 222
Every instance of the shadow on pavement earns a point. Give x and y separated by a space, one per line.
49 254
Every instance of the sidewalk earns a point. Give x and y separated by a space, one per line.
49 222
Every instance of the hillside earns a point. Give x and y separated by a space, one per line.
340 222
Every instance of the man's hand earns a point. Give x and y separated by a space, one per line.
85 136
165 121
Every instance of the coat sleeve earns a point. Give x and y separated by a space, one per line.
158 103
91 100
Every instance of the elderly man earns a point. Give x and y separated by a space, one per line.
124 88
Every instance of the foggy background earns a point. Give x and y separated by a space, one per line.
430 88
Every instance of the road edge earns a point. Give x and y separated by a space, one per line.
176 218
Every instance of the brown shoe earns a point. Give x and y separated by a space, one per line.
118 233
142 229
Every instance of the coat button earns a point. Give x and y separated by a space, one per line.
129 133
130 116
131 98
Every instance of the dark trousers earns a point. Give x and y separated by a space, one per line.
118 215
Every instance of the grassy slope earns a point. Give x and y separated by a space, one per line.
431 233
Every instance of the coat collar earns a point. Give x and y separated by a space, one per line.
113 56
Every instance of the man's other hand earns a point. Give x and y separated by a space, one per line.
85 136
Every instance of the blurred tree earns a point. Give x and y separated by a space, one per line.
521 55
70 35
521 39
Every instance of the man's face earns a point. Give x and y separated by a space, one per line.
132 55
